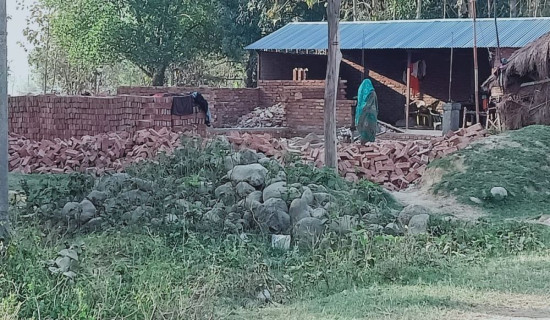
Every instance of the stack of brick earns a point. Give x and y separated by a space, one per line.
64 117
97 154
393 164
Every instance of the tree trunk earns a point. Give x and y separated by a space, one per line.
331 83
159 76
418 9
251 70
513 8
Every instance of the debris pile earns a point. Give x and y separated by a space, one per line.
393 164
94 154
273 116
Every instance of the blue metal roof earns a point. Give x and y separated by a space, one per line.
407 34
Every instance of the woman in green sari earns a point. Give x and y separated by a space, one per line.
366 114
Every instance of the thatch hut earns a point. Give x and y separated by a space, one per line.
525 83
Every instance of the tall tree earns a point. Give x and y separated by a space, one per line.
152 34
513 8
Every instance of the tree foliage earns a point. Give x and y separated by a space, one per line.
169 39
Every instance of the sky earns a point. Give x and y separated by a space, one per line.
17 57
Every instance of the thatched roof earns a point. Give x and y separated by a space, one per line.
530 63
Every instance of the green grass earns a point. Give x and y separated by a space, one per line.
182 275
516 286
517 160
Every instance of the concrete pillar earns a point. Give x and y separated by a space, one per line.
451 117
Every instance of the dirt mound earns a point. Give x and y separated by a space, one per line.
516 161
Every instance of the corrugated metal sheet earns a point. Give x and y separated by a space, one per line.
410 34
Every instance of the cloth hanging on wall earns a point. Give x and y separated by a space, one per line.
182 105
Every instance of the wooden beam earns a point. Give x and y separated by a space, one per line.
331 83
408 92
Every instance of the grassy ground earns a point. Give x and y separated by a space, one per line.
176 275
517 160
490 270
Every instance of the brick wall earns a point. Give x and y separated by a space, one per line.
275 91
307 115
278 66
226 104
49 117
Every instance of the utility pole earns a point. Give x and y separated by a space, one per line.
4 205
476 80
331 82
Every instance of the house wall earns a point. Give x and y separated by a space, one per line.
279 66
385 68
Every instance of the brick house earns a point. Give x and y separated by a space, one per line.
379 50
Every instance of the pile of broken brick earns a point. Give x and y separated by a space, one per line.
273 116
98 154
393 164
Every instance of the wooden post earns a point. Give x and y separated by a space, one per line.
476 80
331 83
408 93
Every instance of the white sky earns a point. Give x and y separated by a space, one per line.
17 57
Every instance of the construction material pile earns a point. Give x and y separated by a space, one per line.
273 116
110 152
393 164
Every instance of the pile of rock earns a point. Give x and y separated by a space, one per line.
274 116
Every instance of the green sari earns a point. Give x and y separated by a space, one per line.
366 114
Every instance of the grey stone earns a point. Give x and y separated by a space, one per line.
317 188
226 193
71 210
299 210
184 205
94 224
392 229
138 214
97 197
248 156
320 213
264 296
476 200
136 197
344 224
418 224
499 193
331 206
273 216
253 200
214 215
307 195
291 194
63 263
114 183
308 231
233 217
275 190
254 174
263 161
410 211
156 221
231 161
375 228
244 189
280 241
280 177
88 211
322 198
